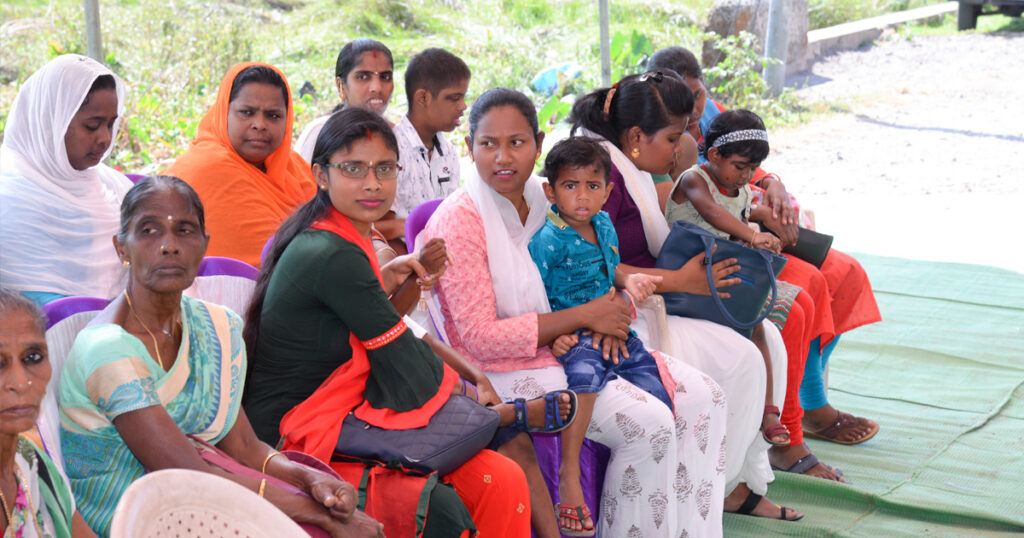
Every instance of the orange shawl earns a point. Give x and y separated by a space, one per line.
244 205
313 426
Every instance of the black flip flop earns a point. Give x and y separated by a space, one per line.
751 502
805 464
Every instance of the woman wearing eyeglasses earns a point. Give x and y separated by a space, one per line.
364 75
242 165
324 340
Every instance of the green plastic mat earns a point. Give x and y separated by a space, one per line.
943 375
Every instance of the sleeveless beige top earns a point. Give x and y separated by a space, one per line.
738 206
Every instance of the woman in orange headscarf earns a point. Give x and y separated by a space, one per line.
242 165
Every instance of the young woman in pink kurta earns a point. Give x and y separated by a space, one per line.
666 474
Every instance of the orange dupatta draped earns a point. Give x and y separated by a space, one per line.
244 205
313 426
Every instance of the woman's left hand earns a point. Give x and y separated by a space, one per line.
338 496
434 257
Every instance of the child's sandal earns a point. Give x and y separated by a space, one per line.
774 431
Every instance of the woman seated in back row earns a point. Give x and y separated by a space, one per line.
157 378
58 201
242 164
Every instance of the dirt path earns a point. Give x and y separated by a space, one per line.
928 160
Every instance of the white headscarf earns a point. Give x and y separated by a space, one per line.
56 222
640 187
518 288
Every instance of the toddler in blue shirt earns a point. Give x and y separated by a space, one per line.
577 254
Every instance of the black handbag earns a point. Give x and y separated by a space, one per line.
811 246
745 307
460 429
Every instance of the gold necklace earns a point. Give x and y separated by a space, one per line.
8 512
156 345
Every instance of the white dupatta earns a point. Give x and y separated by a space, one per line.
518 288
640 187
56 222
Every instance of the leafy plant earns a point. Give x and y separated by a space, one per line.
629 53
736 79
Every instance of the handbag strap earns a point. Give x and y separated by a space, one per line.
708 247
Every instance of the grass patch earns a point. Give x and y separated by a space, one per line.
173 53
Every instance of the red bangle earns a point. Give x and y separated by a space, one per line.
387 337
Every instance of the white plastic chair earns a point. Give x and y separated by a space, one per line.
183 503
225 281
67 317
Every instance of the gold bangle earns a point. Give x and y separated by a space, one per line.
263 469
263 485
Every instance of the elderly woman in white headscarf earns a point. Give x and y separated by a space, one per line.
58 201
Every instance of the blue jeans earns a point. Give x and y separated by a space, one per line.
587 371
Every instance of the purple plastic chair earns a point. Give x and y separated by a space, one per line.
417 220
57 311
134 178
593 456
217 265
266 249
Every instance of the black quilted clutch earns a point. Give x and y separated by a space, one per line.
460 429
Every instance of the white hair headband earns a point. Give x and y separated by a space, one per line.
740 136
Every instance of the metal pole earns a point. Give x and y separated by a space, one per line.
776 45
93 38
606 55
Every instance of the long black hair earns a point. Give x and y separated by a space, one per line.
647 101
339 133
496 97
732 121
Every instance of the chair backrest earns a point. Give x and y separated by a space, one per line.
417 220
67 316
180 502
134 178
225 281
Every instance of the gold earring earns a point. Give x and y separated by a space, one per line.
636 153
323 187
126 264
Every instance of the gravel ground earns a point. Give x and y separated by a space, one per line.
927 161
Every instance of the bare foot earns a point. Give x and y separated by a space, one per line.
570 493
765 508
784 457
830 424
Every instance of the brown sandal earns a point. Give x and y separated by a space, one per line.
773 431
843 421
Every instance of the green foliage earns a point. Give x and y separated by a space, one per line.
629 54
736 79
172 55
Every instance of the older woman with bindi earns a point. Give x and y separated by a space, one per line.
156 380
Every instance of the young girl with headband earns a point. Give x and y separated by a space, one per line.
716 196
